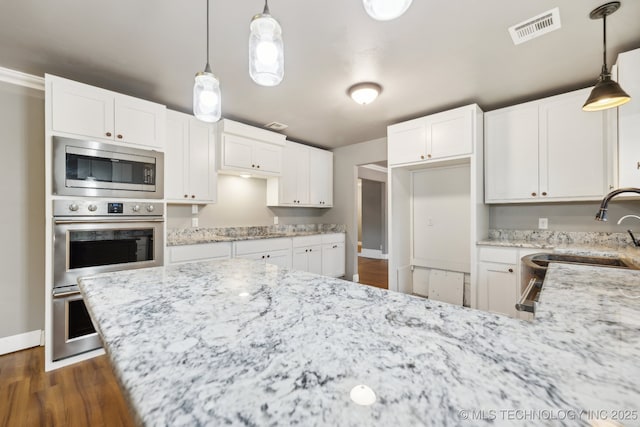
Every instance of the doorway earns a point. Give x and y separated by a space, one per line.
372 225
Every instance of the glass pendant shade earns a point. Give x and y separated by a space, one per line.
386 10
606 94
364 93
207 100
266 50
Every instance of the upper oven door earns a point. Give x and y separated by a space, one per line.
89 246
96 169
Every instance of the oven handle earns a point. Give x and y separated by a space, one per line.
521 306
110 220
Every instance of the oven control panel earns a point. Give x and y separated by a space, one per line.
107 208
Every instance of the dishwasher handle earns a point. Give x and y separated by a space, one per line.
528 300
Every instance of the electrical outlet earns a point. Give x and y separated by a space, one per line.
194 209
543 223
430 222
194 222
275 220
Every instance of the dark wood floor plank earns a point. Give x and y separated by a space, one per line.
373 272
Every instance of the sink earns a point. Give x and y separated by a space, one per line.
542 260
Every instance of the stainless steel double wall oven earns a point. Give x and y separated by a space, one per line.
101 231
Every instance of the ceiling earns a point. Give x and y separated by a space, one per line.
439 55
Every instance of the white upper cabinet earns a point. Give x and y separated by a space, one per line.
321 178
441 135
89 111
306 180
190 175
629 120
548 150
249 150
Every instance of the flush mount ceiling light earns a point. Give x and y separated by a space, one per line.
207 100
364 93
386 10
266 49
607 93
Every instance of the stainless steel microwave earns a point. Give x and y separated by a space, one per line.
96 169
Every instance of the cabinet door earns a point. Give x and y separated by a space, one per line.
629 120
300 259
82 109
267 157
406 142
333 260
450 133
314 260
294 181
176 159
498 288
573 152
139 122
236 152
202 174
321 178
281 258
511 155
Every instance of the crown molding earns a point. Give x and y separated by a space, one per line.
376 168
22 79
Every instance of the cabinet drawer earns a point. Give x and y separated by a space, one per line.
263 245
302 241
199 252
501 255
333 238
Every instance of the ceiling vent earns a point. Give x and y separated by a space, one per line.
276 126
536 26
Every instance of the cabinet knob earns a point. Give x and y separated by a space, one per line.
429 156
511 270
186 196
258 166
119 136
544 193
108 134
193 196
253 166
422 157
268 256
534 194
638 169
611 186
335 246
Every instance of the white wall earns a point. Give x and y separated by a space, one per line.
241 202
345 172
22 210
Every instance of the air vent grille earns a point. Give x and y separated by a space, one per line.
536 26
276 126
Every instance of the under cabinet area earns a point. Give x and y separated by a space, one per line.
437 136
190 160
549 150
306 180
247 150
89 111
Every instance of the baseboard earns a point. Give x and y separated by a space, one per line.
20 342
356 278
373 253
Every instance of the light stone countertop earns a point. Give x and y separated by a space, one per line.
236 342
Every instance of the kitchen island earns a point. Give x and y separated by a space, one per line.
243 343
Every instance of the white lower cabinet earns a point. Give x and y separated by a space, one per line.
201 252
500 282
271 251
307 254
333 255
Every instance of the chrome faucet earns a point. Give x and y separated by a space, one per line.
635 241
602 213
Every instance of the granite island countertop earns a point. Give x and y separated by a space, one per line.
243 343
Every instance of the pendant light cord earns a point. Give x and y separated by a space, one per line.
207 68
605 69
266 8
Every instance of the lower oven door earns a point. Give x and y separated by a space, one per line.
86 246
73 330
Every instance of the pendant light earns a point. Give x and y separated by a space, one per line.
607 93
266 49
386 10
207 99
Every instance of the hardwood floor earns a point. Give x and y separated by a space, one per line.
374 272
84 394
